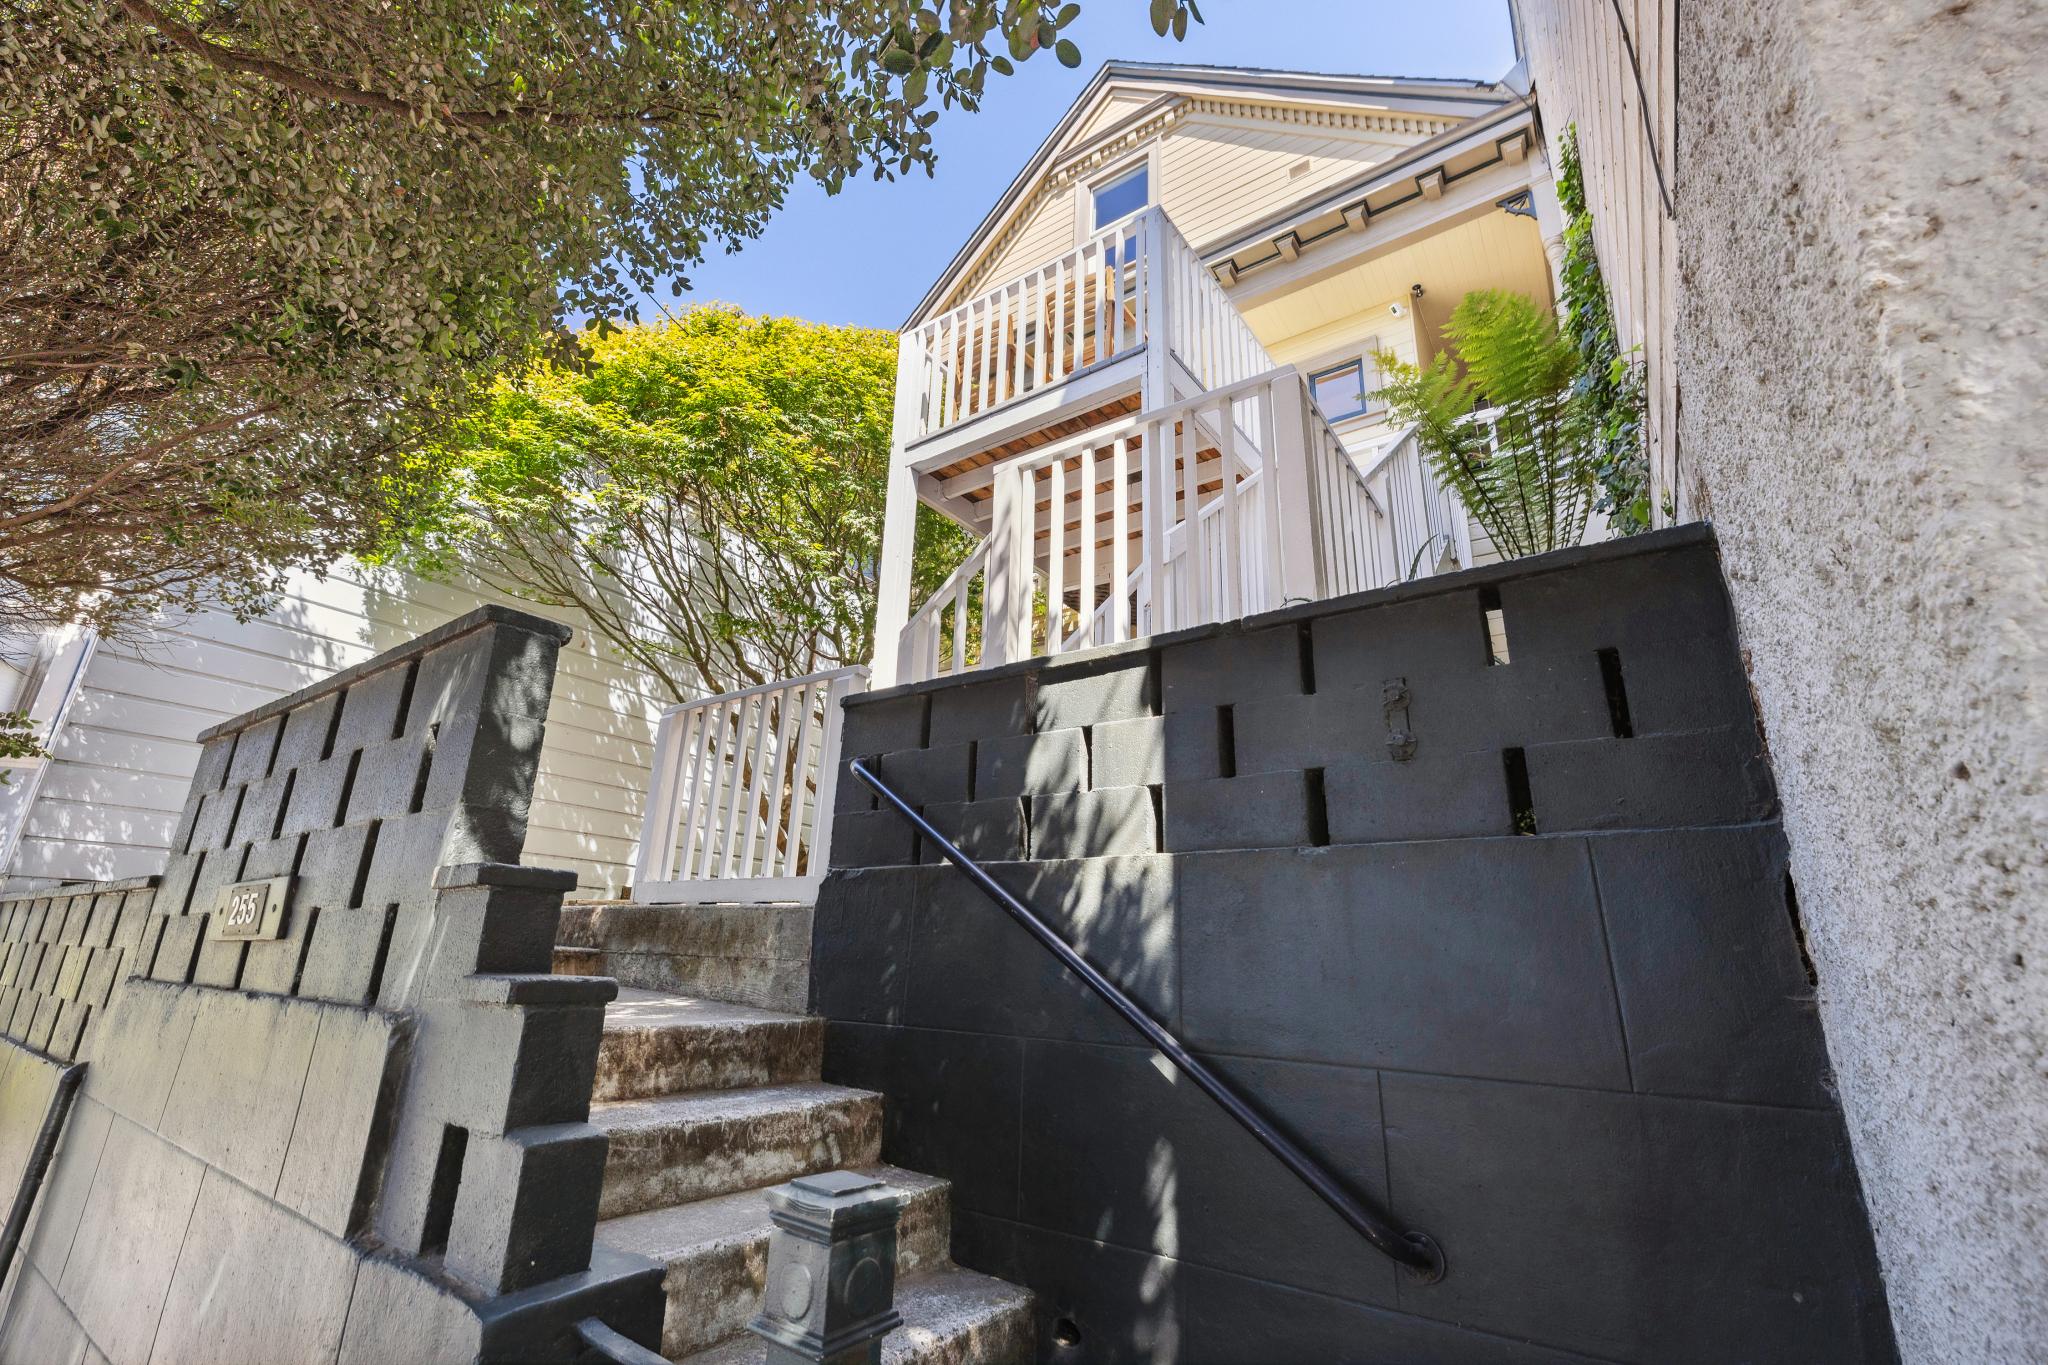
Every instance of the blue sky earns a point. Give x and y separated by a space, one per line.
867 254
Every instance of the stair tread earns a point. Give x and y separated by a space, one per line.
640 1009
938 1306
719 1106
684 1229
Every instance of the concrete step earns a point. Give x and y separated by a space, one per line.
716 1251
659 1044
679 1148
756 955
950 1317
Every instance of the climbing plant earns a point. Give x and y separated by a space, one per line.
1610 380
1528 475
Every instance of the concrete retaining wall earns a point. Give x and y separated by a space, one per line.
364 1139
1507 946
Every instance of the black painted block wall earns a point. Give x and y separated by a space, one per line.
1507 944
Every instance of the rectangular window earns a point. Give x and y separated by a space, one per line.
1340 390
1125 195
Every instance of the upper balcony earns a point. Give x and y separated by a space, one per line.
1125 322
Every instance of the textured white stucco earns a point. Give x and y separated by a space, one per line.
1863 249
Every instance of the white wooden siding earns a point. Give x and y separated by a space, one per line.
1216 174
1582 75
125 759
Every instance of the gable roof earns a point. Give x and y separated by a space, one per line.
1162 83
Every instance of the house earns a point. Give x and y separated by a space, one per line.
1181 233
1198 271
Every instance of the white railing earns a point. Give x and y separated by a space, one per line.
943 636
739 805
1429 523
1201 510
1203 327
1353 532
1103 300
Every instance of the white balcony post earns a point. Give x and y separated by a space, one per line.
1154 308
1006 592
1294 552
899 523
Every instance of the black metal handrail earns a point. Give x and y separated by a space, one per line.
1415 1251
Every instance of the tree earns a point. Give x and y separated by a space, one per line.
707 492
254 248
1527 476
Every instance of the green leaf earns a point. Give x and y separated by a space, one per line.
1163 12
898 62
1002 66
1180 24
1068 54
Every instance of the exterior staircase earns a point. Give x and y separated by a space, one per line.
708 1083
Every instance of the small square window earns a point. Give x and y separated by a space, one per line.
1340 390
1125 195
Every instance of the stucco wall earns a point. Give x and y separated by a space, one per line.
1861 352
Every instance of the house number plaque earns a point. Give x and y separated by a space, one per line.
251 909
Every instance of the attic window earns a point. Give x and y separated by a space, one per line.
1122 196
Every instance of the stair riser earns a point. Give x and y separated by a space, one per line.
714 1294
655 1167
639 1063
1006 1338
768 931
765 983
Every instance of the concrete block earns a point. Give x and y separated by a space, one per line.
1434 795
241 1083
1096 692
307 732
527 1206
390 777
924 776
336 1146
135 911
1130 753
1255 1217
1026 765
399 1314
1197 744
262 810
43 1022
118 1276
860 942
982 710
1094 824
1276 734
342 955
254 1283
69 1029
1432 636
333 864
1230 667
174 887
1644 601
1117 913
491 929
850 793
102 970
1262 810
1713 777
38 1327
1696 683
1762 1200
318 792
986 831
255 750
71 965
372 710
66 1185
1713 996
877 727
495 1068
177 949
219 963
212 768
879 838
1477 957
106 913
953 1104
